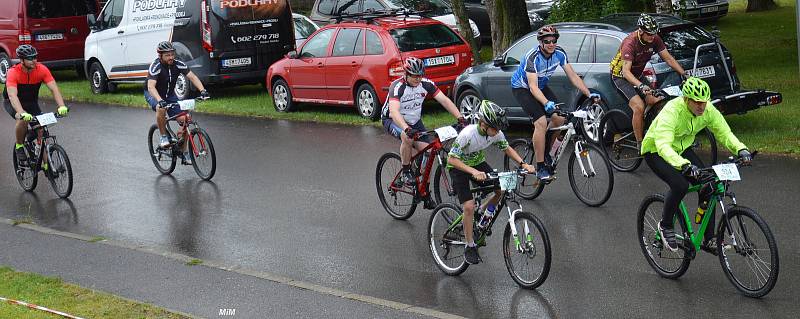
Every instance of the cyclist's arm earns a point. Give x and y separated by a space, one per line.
446 103
394 113
151 88
56 92
722 131
626 73
663 135
14 99
533 86
664 54
576 80
458 164
195 80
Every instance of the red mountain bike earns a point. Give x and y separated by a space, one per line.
201 149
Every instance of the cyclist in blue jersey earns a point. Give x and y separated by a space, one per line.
529 86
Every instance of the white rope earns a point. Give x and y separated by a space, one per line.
32 306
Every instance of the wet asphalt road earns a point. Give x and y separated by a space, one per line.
298 199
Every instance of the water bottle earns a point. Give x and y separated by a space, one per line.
487 216
556 145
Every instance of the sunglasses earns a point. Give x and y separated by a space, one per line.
549 41
30 58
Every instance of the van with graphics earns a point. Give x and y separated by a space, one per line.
222 41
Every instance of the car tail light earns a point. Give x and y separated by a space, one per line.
396 69
775 99
205 27
25 37
650 75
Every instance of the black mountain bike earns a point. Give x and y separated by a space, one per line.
59 170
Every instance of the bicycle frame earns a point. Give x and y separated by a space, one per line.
501 204
696 238
44 141
571 135
184 130
433 149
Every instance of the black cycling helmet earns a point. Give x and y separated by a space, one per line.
547 31
647 23
414 66
493 115
165 46
27 51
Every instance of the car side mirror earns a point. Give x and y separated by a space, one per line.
499 60
292 54
91 20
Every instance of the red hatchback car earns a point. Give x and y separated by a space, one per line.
353 63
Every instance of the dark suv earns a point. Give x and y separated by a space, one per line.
591 46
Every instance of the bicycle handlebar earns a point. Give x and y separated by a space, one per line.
496 175
708 174
419 135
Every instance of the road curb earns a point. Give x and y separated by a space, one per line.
299 284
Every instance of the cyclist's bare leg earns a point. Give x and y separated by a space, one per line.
539 133
161 120
21 129
469 213
651 100
555 121
637 121
492 199
181 121
406 149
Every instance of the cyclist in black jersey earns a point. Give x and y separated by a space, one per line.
159 90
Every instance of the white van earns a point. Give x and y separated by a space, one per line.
222 41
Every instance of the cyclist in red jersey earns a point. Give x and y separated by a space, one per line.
21 94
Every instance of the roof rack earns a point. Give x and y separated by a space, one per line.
595 25
663 15
369 16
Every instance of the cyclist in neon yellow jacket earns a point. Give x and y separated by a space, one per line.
667 149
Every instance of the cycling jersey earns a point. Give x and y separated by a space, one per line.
639 54
536 62
410 97
28 84
674 129
166 76
470 144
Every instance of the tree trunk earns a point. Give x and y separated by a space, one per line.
508 20
760 5
664 6
462 20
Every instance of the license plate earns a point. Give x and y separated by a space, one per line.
48 37
704 72
709 9
440 60
232 63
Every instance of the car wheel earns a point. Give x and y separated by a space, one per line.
367 102
5 64
183 87
282 97
99 80
468 102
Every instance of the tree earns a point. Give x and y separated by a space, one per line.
462 21
760 5
508 20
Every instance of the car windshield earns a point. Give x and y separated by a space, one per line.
303 28
43 9
682 42
424 37
436 7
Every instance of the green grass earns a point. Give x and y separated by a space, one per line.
194 262
55 294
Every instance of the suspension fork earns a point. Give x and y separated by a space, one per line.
578 150
514 232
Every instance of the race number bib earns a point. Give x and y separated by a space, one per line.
46 119
446 133
727 172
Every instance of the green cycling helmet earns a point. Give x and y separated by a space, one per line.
696 89
493 115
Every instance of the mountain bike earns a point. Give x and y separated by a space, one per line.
400 199
59 170
619 142
526 246
746 248
201 149
590 174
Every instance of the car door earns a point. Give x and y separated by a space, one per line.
110 42
606 48
343 64
307 73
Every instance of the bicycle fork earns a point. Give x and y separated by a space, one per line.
514 233
579 154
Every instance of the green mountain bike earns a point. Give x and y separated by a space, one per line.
746 247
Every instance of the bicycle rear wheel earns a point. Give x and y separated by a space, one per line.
595 187
204 160
619 142
446 239
162 158
60 171
26 176
527 255
751 261
529 186
396 197
666 263
705 146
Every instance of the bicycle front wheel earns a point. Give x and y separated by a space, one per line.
666 263
204 160
396 197
162 158
590 175
60 171
446 239
529 186
619 142
26 175
527 254
748 252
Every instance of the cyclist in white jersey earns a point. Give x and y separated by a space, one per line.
402 112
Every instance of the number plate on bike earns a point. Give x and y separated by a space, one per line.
446 133
673 90
186 105
46 119
508 180
727 172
